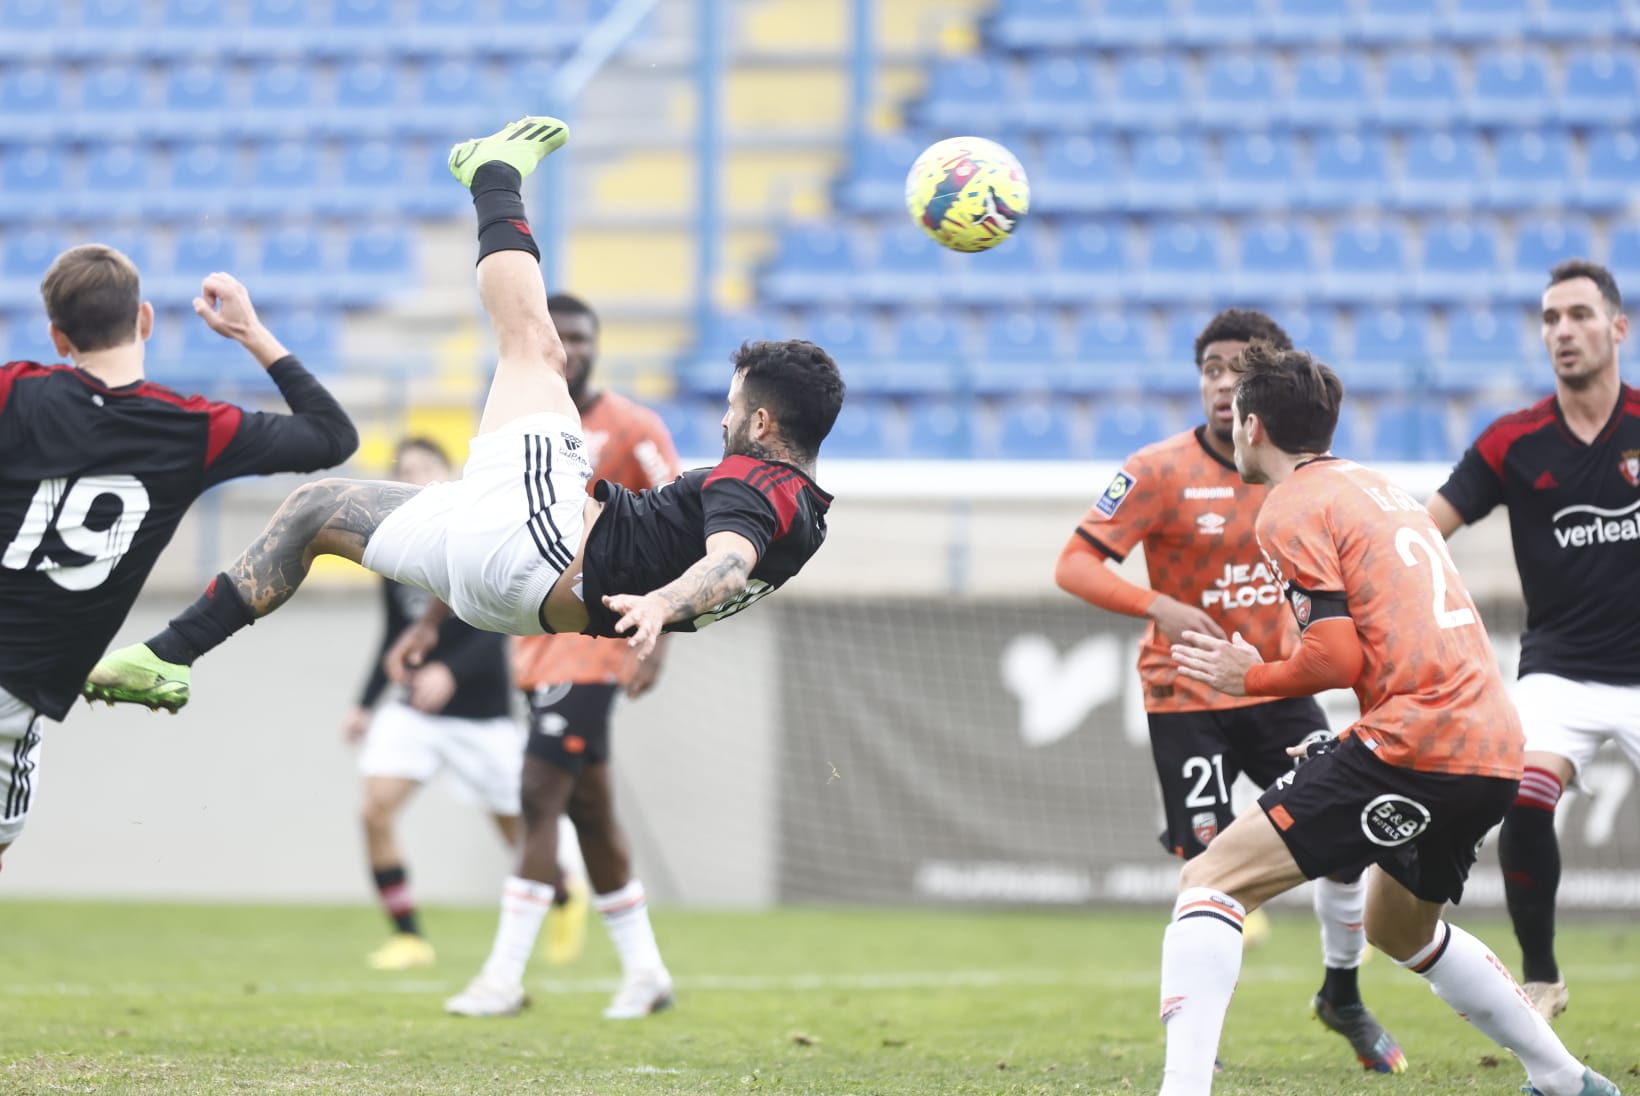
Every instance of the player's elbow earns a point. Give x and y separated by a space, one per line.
342 441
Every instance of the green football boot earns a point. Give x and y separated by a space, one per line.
136 675
523 144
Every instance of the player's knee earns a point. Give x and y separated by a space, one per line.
1200 871
1396 938
376 814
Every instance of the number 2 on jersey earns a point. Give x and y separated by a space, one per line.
65 505
1408 539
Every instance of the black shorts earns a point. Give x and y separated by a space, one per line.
1347 809
569 725
1199 755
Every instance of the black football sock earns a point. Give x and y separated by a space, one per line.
218 614
502 225
1529 853
1341 987
393 884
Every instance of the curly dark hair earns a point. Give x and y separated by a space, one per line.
1241 325
799 385
1295 396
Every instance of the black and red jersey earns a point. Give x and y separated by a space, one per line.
645 539
93 483
1574 517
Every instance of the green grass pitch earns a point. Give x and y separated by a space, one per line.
111 998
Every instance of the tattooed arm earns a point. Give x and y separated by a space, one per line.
714 579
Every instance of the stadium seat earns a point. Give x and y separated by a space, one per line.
311 334
1311 330
117 176
1259 172
1582 20
1036 429
1390 353
1170 174
1485 21
1539 247
197 105
373 174
862 431
1532 169
1219 23
1484 349
1623 257
1348 170
380 262
939 429
24 23
1128 24
184 25
367 93
875 180
31 182
1077 175
695 426
1040 24
847 336
1121 428
1346 439
1012 273
445 27
1150 92
276 28
293 266
281 101
25 257
1176 373
30 99
1110 353
1329 90
285 175
973 92
911 268
1601 89
1440 171
1368 261
1511 88
105 28
1093 263
1238 90
1060 93
532 13
817 263
198 181
1307 22
1183 262
1613 166
1275 261
1393 22
1411 431
1419 89
455 98
197 253
1460 261
111 95
1484 412
706 371
928 335
1018 354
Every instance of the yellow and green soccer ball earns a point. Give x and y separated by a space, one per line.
968 193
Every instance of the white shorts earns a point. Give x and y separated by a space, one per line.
492 543
485 755
1573 719
19 760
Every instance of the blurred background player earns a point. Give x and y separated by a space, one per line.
1411 787
1568 471
571 684
99 467
1183 500
453 715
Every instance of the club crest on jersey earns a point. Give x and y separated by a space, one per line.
1114 494
1630 466
1205 825
1392 820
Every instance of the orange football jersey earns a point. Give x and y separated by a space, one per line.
628 445
1432 698
1194 515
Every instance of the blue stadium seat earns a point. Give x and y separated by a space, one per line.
1601 88
1093 263
1121 428
111 95
1486 21
1238 90
1260 172
1420 89
1346 440
1150 92
1391 350
862 431
443 27
1307 22
1013 272
1036 429
312 334
1347 170
1484 348
974 92
1460 261
1077 175
1170 174
1040 24
1532 169
205 356
1368 262
285 177
117 177
19 18
367 93
846 334
198 182
1411 431
1060 93
293 266
1183 328
105 28
1220 23
1275 261
380 261
1183 264
1018 353
1583 20
281 101
1388 22
1110 347
1312 330
532 13
25 257
1539 247
911 268
1126 24
939 429
1440 171
30 99
695 425
927 335
373 15
277 25
706 371
1623 254
197 253
1484 412
197 105
818 263
31 182
1511 88
1612 168
455 98
185 24
1329 90
875 180
373 174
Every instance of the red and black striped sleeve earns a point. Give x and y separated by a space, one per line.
754 498
1476 485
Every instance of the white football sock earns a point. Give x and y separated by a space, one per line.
524 903
1340 908
626 916
1201 960
1465 974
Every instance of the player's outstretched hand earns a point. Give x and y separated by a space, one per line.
225 305
641 615
409 651
1221 663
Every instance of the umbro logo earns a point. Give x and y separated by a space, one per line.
1545 482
